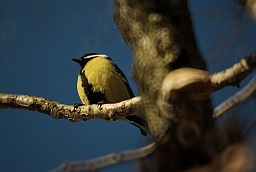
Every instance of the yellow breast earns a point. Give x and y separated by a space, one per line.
103 77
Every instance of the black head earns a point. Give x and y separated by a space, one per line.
85 58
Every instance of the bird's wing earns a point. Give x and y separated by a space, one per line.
124 79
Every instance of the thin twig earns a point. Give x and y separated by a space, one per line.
106 160
240 96
235 74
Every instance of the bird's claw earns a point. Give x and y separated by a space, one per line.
76 105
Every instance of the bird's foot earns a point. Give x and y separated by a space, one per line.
100 103
76 105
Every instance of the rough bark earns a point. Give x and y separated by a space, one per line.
161 36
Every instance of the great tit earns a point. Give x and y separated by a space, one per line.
101 81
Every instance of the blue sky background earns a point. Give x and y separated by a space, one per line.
38 39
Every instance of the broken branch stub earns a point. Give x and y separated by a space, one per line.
192 83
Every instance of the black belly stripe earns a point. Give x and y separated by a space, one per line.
93 97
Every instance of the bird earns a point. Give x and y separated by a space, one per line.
101 81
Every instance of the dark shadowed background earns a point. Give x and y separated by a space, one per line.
38 39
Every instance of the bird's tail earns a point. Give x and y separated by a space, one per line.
138 122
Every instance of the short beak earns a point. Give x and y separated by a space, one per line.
77 60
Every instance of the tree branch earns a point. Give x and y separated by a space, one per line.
234 75
56 110
240 96
106 160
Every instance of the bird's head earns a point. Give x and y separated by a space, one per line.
87 57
